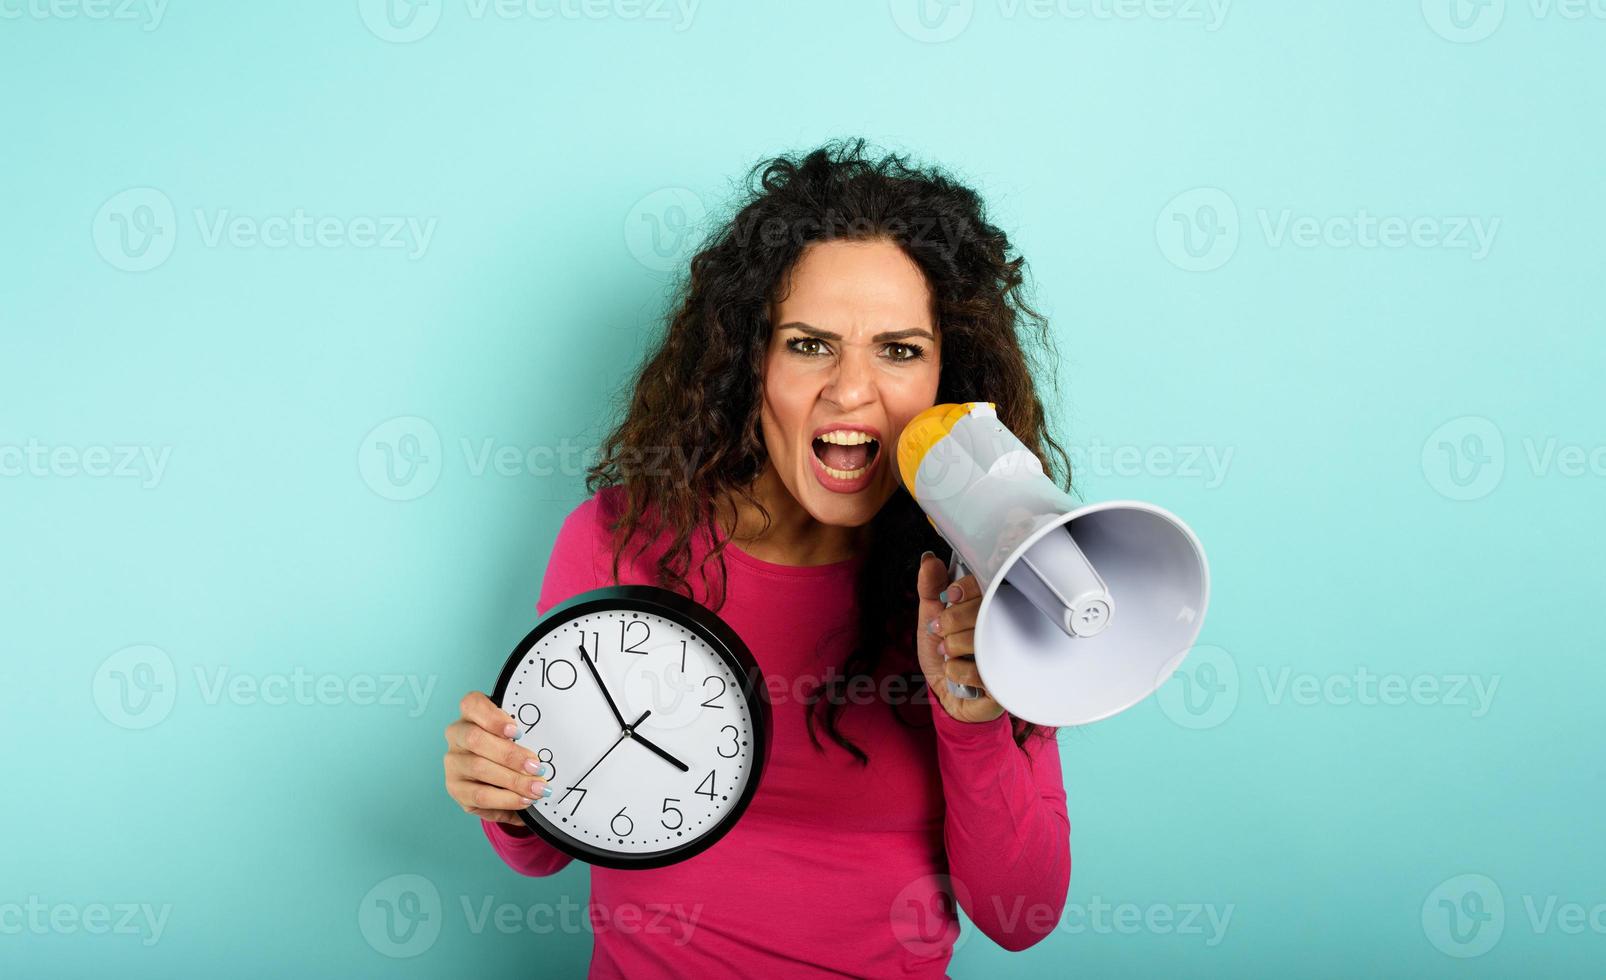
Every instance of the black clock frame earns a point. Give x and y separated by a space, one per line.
722 640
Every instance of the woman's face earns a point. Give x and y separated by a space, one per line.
853 356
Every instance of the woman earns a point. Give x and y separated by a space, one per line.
845 296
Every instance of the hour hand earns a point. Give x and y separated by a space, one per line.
660 752
603 687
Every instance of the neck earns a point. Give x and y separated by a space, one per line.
793 537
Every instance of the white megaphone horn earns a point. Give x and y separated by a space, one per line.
1085 611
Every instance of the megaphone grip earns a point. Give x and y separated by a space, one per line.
956 571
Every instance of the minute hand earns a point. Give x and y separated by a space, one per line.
603 687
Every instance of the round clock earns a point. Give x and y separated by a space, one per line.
654 717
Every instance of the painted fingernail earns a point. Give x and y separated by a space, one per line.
510 730
544 771
546 791
942 647
537 788
528 802
533 767
932 626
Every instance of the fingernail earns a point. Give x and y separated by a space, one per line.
510 730
942 648
539 789
533 767
529 802
546 791
932 626
545 772
927 554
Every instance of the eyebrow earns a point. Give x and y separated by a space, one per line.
813 331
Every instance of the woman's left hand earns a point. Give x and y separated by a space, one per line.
948 652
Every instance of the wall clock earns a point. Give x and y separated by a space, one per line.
654 716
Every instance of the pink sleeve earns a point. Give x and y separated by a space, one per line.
574 567
1006 830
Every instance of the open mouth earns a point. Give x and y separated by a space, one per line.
846 454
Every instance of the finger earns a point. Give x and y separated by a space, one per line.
933 576
960 589
476 769
486 797
510 817
958 644
467 737
962 670
958 617
479 709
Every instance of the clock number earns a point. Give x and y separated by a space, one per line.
613 825
710 702
735 746
526 722
709 782
546 673
596 644
577 802
682 656
545 755
632 647
680 818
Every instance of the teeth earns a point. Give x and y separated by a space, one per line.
846 437
844 474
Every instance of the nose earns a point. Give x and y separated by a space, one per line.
852 382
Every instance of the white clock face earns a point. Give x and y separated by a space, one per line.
677 764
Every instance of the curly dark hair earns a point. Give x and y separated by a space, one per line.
698 392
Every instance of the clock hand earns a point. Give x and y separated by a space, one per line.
660 752
598 678
622 736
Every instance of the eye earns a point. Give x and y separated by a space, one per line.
909 352
793 346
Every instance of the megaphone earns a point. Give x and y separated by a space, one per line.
1085 611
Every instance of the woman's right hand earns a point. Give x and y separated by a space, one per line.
487 773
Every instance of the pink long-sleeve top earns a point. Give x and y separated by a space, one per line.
835 868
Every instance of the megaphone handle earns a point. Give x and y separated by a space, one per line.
956 571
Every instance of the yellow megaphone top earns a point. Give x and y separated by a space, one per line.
924 431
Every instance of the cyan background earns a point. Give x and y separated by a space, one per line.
1393 492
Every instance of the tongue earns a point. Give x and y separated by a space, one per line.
842 457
